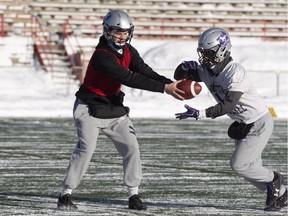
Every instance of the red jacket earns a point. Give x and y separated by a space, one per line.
101 84
108 70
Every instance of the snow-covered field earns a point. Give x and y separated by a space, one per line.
185 170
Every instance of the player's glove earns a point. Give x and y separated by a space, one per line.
190 65
182 70
191 112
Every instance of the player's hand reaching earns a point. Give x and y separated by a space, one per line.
174 91
191 112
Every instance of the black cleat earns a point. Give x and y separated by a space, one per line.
136 203
281 202
65 203
273 188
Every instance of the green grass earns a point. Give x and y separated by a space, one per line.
185 169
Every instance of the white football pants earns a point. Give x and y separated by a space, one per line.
122 134
246 160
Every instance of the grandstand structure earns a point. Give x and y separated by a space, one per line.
49 21
152 18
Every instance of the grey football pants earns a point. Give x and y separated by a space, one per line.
246 160
119 130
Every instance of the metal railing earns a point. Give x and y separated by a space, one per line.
41 45
76 57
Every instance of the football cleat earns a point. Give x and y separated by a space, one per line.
136 203
273 188
65 203
281 202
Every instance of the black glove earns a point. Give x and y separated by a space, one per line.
190 65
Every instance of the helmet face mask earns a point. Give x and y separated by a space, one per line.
117 21
119 38
208 57
213 46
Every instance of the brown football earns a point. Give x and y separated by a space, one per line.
190 87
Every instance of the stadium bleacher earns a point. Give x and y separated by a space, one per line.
154 18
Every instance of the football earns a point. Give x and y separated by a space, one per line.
190 87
